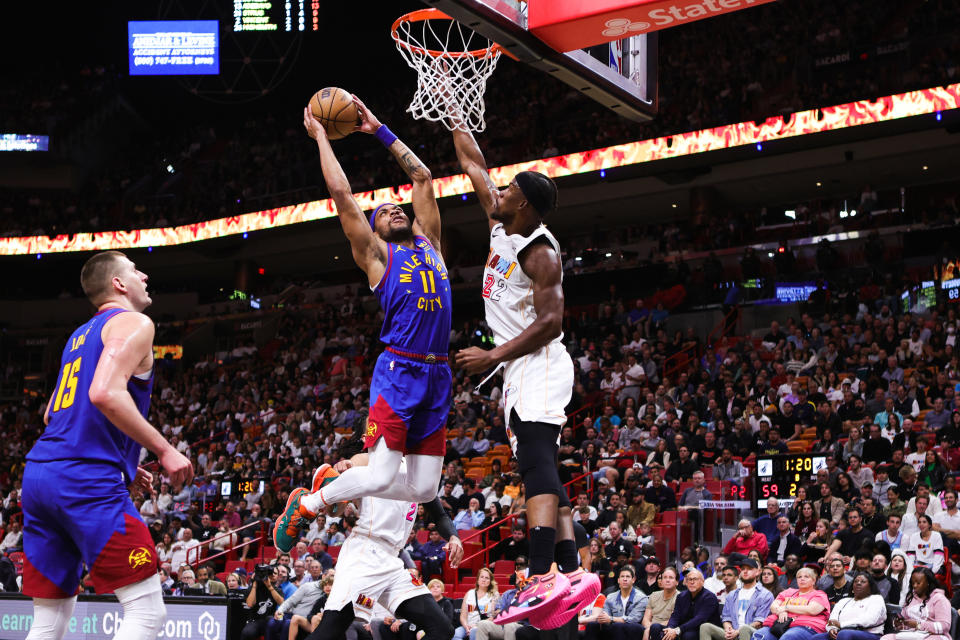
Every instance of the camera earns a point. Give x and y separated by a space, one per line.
262 572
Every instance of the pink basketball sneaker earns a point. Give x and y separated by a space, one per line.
584 588
542 594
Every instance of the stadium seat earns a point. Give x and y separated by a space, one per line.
422 536
504 566
334 552
233 564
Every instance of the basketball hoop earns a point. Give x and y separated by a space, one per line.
452 72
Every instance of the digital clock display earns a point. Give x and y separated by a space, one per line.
241 487
780 476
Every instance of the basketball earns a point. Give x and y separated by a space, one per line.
336 111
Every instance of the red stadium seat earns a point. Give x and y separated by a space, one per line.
334 552
422 536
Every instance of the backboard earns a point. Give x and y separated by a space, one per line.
621 75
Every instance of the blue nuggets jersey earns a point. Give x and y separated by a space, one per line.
415 295
77 429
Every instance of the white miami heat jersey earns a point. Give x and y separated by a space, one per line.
538 385
388 522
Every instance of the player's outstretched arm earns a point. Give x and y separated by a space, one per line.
424 199
127 342
369 251
542 264
472 162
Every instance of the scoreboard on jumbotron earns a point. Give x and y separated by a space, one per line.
779 476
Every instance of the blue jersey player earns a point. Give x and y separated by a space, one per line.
76 501
411 384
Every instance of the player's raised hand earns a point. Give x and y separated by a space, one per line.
475 360
454 549
369 123
177 466
314 129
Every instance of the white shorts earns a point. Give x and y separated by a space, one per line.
368 572
539 386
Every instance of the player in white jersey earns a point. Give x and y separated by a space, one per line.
523 299
369 569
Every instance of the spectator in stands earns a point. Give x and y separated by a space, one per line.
841 584
887 586
892 535
618 542
860 616
853 537
872 519
693 607
661 602
806 606
283 582
693 495
469 518
726 468
767 523
210 585
488 629
683 467
437 589
479 603
729 577
806 520
829 507
659 494
938 417
744 609
934 471
925 547
926 610
622 612
649 582
746 540
640 511
788 579
181 549
516 545
785 543
300 603
431 554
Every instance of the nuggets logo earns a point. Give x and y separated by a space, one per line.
371 429
139 557
364 602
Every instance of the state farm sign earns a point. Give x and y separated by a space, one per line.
567 25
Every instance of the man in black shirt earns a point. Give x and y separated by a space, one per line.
827 418
851 411
787 421
660 495
842 587
683 468
773 445
877 449
872 519
852 538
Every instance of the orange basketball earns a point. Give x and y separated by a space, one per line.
336 111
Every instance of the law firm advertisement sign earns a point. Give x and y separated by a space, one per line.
101 617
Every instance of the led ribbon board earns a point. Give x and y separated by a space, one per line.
851 114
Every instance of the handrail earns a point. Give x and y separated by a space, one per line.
486 549
669 370
199 548
723 324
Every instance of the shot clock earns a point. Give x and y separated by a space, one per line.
229 489
780 476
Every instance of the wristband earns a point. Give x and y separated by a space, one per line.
385 136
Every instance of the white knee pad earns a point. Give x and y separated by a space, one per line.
50 618
143 610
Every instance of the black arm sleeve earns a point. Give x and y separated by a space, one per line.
439 515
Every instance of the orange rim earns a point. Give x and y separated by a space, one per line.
422 15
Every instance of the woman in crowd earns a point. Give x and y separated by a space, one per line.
827 444
927 613
806 608
224 539
478 604
899 569
165 548
660 455
598 559
806 518
925 547
934 472
770 580
846 490
859 617
818 541
437 589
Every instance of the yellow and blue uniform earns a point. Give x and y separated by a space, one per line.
411 385
76 506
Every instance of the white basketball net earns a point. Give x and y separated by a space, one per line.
453 63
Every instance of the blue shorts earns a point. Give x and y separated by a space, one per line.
78 512
409 405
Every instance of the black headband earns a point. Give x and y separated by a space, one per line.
539 190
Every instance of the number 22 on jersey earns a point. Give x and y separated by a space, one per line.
68 385
491 291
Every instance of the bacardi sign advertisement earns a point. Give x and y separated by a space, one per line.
567 25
